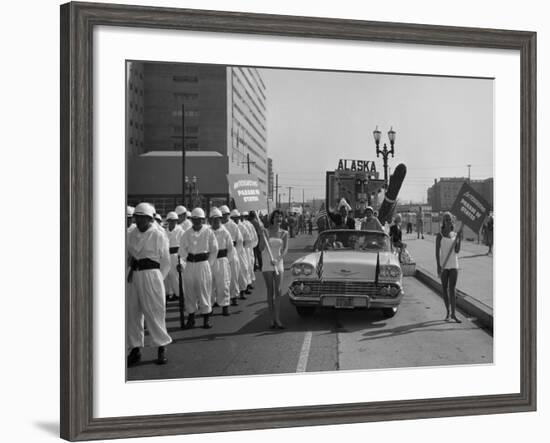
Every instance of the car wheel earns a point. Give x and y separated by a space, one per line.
305 311
389 312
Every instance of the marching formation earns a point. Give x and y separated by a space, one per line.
204 264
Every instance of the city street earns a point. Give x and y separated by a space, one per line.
243 344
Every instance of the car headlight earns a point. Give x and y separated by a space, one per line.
390 271
302 268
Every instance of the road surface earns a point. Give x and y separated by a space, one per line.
243 344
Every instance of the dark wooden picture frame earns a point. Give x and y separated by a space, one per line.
77 23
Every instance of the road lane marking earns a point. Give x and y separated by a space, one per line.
304 353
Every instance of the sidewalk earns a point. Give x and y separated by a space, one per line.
475 276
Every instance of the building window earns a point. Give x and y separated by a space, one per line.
187 96
189 113
185 78
188 130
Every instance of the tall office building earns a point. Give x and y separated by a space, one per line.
219 112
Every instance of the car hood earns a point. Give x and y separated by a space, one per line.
350 265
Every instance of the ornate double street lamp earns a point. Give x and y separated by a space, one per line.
384 151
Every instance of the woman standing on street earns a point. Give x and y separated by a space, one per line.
447 247
273 267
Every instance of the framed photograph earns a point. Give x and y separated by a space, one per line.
272 221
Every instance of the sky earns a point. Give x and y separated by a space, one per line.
314 118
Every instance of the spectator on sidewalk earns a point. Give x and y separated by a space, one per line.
396 235
419 224
447 247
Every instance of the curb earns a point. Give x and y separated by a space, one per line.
469 305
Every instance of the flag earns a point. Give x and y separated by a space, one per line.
319 267
321 214
377 269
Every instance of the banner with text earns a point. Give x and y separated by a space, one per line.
245 191
470 208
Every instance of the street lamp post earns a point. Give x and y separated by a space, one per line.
384 151
192 190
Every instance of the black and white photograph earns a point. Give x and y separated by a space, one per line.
294 220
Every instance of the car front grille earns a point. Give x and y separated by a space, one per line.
342 287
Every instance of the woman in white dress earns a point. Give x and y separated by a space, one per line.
274 245
447 247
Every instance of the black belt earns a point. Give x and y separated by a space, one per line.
222 253
144 264
174 249
194 258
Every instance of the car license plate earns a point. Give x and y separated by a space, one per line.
343 302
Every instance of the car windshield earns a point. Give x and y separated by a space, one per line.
352 241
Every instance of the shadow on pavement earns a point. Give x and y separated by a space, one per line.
426 326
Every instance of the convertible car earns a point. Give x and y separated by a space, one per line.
348 269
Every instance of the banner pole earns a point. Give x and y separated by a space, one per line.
452 246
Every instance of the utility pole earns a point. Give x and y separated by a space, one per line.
469 166
303 200
183 184
277 190
248 161
289 193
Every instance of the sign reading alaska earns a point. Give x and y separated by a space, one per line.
356 165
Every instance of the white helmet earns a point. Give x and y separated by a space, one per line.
224 209
197 213
171 216
245 214
145 209
158 217
188 213
130 211
215 212
180 210
235 213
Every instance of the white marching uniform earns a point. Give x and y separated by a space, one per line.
244 256
238 278
221 270
185 225
197 276
250 248
172 279
146 295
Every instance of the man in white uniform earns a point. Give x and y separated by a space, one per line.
199 248
130 217
250 248
174 233
221 271
183 221
149 262
238 280
243 254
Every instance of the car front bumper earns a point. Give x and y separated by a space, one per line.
346 300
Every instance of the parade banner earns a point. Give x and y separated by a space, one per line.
470 208
245 191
